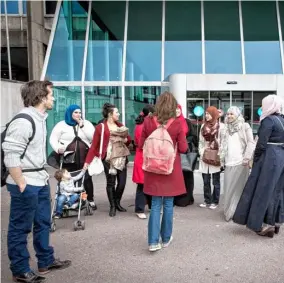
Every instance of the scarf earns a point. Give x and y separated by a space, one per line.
182 121
210 129
237 124
68 115
271 104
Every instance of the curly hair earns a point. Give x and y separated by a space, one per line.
34 91
165 108
107 109
59 174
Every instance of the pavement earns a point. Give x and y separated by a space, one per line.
205 249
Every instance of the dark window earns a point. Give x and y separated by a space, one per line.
50 7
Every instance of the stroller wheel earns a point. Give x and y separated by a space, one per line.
53 227
76 225
83 225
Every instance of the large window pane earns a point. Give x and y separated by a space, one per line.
281 10
243 100
12 7
143 59
183 50
96 97
261 37
64 96
104 61
66 58
222 37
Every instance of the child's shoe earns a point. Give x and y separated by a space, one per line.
57 216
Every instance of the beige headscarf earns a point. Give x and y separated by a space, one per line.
271 104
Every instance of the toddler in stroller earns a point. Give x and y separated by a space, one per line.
68 193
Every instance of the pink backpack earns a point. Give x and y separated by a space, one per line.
159 152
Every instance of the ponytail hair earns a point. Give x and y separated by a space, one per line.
144 113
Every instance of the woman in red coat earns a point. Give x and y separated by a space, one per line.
138 173
163 188
111 117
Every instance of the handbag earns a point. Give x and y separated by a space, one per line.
188 161
211 157
96 167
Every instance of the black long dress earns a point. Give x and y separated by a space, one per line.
262 200
188 199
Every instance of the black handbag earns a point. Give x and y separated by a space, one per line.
188 161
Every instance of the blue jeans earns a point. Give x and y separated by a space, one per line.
62 199
208 197
29 209
155 229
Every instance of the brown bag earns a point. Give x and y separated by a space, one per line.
211 157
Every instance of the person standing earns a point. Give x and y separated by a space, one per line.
28 186
75 134
188 176
211 139
261 207
111 128
238 149
138 173
163 188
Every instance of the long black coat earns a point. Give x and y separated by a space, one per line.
262 200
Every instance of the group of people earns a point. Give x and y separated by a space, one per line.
252 196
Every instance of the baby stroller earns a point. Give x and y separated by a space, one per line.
83 204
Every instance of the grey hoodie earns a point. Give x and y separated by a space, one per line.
16 140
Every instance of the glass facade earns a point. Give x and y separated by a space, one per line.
132 47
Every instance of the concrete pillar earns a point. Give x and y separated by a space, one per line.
35 38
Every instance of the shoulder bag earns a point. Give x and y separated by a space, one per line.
96 167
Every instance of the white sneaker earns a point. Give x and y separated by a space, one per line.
155 247
141 215
75 205
213 206
204 205
165 245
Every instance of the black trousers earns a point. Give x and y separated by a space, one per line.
115 192
141 199
186 199
208 197
88 182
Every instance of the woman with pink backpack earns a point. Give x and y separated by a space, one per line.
162 141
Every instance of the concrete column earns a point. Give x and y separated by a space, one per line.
35 38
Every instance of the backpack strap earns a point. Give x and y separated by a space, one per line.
29 118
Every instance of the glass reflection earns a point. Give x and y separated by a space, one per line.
66 58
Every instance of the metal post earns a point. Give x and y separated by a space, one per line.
8 41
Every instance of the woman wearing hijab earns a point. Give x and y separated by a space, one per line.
238 149
63 138
211 141
261 207
138 173
186 199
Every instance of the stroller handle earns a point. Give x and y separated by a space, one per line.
61 160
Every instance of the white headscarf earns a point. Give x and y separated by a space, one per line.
271 104
236 125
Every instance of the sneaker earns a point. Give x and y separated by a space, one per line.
93 205
165 245
57 216
66 206
204 205
28 277
155 247
74 206
213 206
56 265
141 215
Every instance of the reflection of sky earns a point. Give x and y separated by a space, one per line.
146 57
183 57
223 57
262 57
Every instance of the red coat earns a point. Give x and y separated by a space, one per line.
95 147
165 185
138 173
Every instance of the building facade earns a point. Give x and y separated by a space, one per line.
218 53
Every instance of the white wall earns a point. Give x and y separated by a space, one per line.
11 102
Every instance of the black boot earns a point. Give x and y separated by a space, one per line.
118 196
110 194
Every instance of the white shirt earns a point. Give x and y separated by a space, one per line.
234 155
62 134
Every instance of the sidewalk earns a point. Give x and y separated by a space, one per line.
206 249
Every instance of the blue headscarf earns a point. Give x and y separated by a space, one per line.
68 115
